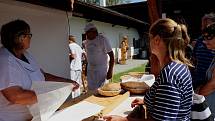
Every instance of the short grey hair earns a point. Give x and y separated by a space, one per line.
210 16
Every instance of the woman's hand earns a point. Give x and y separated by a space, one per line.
137 101
75 85
114 118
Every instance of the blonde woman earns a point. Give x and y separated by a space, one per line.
170 97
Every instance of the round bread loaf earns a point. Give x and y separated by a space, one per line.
111 87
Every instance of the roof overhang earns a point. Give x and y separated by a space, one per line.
187 6
64 5
94 12
137 10
91 12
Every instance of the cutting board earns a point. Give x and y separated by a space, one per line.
108 102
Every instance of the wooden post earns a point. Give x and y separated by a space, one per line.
154 15
153 10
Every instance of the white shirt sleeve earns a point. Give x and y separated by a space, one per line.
71 47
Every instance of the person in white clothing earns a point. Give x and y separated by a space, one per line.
76 53
98 49
18 70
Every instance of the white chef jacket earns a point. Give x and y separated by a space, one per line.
76 62
76 67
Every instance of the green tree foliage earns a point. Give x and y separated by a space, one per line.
89 1
116 2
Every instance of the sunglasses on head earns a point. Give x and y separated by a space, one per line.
208 36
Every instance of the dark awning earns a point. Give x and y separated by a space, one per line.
92 12
98 13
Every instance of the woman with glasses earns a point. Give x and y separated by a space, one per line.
202 56
18 70
208 88
170 97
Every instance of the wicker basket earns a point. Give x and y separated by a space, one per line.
135 90
135 87
108 93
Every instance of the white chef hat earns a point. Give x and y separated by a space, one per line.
89 26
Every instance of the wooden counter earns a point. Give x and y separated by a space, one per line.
108 102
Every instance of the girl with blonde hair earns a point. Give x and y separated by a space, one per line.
170 97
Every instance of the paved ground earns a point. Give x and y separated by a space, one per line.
130 63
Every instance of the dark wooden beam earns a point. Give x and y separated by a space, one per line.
153 10
153 15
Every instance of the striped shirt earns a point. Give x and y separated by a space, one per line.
203 58
170 97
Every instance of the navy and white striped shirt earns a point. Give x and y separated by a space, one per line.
203 58
170 97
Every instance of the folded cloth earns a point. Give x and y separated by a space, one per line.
200 110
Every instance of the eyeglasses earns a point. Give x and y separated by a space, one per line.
28 34
209 32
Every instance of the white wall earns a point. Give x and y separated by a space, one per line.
50 31
113 33
49 27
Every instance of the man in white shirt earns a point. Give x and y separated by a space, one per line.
75 56
98 49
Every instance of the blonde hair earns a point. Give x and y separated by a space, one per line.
72 38
185 35
173 36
